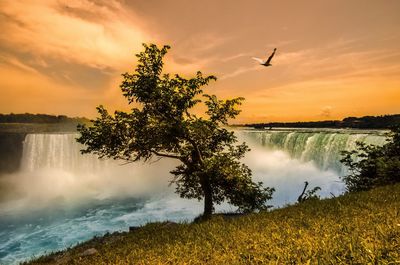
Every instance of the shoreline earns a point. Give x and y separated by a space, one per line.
346 225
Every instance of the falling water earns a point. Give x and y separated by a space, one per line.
58 151
322 147
62 197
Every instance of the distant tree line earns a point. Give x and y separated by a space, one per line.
39 118
366 122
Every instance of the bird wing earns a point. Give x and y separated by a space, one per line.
270 57
261 61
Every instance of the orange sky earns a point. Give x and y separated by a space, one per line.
335 58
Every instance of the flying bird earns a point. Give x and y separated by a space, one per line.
268 61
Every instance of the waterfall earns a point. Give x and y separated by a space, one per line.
323 147
61 197
58 151
59 168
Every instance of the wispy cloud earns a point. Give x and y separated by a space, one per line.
240 71
99 35
234 57
15 62
326 112
279 60
78 46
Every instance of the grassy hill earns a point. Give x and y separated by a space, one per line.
358 228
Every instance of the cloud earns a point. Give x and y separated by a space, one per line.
326 112
234 57
241 70
83 45
15 62
92 34
283 59
89 10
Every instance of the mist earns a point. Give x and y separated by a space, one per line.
53 171
60 197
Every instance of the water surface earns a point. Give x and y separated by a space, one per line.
60 197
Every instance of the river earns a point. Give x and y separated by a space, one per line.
60 197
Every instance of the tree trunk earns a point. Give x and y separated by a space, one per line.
301 198
208 201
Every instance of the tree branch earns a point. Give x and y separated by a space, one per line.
301 198
196 147
167 155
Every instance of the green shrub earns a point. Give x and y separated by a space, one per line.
371 166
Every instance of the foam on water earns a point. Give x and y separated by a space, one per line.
60 197
322 147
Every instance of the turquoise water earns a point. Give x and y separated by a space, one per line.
60 198
32 233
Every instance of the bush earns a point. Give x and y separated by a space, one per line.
371 166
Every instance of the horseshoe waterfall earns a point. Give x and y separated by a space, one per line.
59 197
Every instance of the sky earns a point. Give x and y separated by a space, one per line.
334 58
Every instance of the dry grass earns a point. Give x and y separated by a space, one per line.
359 228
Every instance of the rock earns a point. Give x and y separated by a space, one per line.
89 252
133 228
63 258
169 223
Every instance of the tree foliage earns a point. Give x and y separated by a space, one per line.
163 125
371 166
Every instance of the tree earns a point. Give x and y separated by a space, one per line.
164 126
371 166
